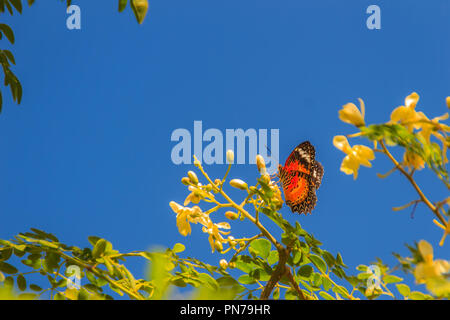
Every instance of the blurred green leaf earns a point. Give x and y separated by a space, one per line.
403 289
7 31
262 247
318 262
122 5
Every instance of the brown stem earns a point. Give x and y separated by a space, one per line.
294 284
279 272
414 184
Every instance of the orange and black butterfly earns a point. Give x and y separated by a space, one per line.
301 177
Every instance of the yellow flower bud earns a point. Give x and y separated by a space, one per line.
193 177
140 8
223 264
242 244
448 102
239 184
261 164
232 265
232 242
230 156
231 215
185 181
218 245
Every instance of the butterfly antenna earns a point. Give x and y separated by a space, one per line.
268 149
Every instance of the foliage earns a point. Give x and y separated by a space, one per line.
139 7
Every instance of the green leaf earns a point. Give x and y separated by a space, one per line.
403 289
318 262
27 296
209 281
262 246
305 271
276 293
7 268
326 283
35 287
329 259
17 4
391 279
416 295
326 296
93 240
340 289
246 279
6 254
7 31
273 257
178 247
10 56
99 248
122 5
21 282
140 8
297 256
244 263
362 267
339 261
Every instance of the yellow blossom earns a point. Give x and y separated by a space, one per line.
413 160
356 155
185 216
407 114
429 126
215 235
429 268
195 196
351 114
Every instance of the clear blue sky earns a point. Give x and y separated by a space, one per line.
88 150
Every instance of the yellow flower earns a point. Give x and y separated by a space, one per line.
195 196
429 268
413 160
448 102
185 216
351 114
356 155
429 126
407 114
215 235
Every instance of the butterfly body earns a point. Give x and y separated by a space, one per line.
300 177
